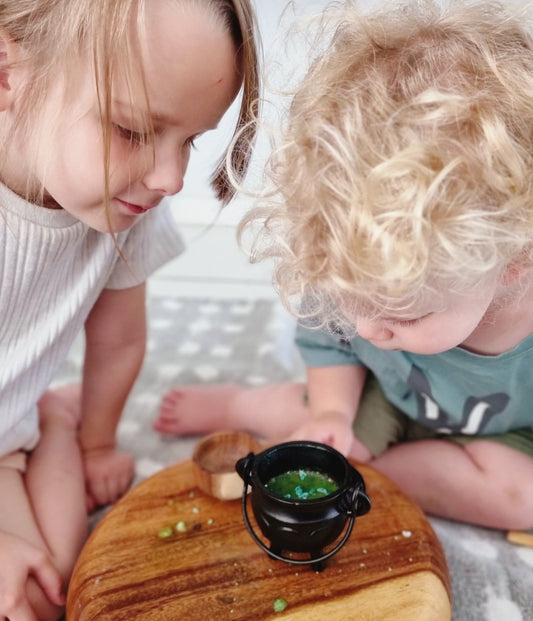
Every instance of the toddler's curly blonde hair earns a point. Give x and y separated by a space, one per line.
406 164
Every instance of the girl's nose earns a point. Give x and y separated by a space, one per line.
372 330
166 174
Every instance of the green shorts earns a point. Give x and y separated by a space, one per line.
379 424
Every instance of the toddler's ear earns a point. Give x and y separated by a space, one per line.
7 53
517 268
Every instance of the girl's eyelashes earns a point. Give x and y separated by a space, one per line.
136 137
191 142
129 134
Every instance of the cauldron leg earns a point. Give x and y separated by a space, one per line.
275 550
317 565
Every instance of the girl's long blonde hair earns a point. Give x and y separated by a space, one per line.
55 36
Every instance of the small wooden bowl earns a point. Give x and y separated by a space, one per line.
214 460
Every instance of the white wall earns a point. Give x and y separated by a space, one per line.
196 201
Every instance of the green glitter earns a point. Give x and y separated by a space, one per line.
302 484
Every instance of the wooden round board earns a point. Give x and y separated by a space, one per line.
392 568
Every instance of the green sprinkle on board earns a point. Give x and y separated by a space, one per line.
302 484
279 604
165 532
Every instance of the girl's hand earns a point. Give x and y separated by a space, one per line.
108 474
331 428
19 561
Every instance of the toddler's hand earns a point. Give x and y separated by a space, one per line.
19 561
108 474
331 428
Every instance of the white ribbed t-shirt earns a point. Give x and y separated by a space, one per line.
52 270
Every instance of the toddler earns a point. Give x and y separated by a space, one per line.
403 233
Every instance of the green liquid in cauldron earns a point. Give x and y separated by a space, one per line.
302 484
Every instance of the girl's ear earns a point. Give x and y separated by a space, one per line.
8 50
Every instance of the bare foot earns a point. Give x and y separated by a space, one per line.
62 405
197 409
273 411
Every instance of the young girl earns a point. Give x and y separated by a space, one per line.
405 231
100 101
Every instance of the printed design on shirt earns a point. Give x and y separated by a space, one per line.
477 411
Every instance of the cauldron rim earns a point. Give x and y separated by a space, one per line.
350 478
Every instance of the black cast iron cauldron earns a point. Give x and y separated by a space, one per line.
310 525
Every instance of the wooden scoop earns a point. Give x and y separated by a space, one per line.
214 459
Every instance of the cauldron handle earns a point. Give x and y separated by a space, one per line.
294 561
360 508
244 468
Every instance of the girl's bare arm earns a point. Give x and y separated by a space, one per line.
115 345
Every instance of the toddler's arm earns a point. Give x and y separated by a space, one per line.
115 345
334 395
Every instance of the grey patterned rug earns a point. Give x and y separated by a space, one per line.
210 341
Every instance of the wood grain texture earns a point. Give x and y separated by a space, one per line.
392 567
